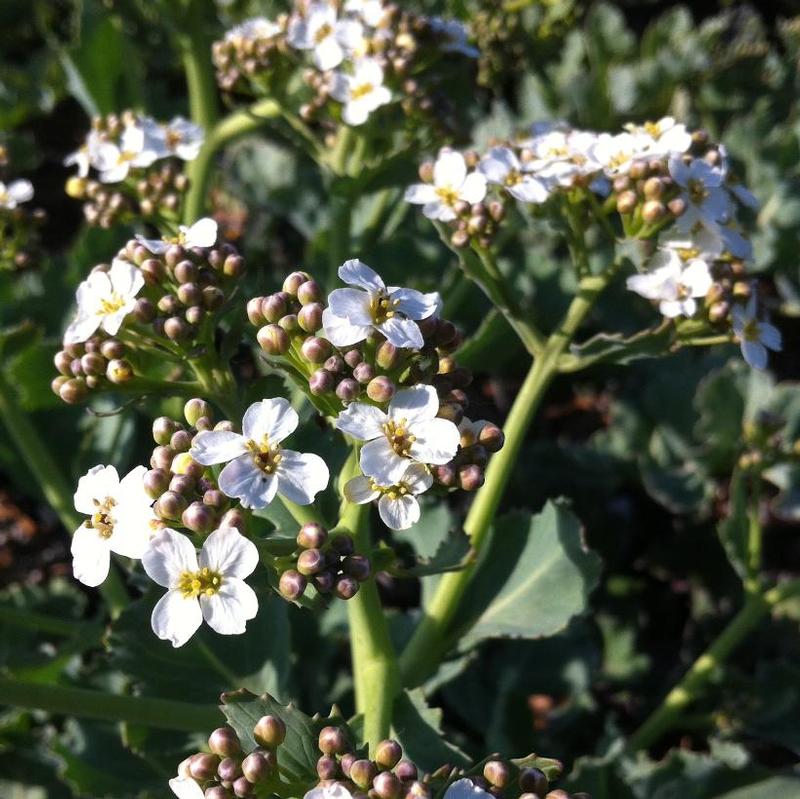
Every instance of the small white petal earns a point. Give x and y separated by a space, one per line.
359 490
770 336
379 461
217 446
357 273
402 333
436 441
417 479
340 331
697 278
186 788
414 304
155 246
473 190
420 194
361 421
91 556
170 555
450 169
400 513
243 480
352 304
416 404
229 609
81 328
202 233
175 618
98 483
301 476
271 418
227 551
465 789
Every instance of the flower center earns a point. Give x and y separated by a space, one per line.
323 32
265 455
697 191
173 139
619 159
125 156
447 194
512 178
652 128
112 304
204 582
397 491
751 330
381 308
361 91
400 439
102 520
687 253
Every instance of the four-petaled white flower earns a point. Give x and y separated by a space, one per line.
136 148
707 201
258 467
120 520
104 300
362 92
209 587
617 154
16 192
755 336
180 138
664 137
408 432
397 504
253 29
330 38
451 184
465 789
85 156
352 314
502 167
330 790
202 233
673 282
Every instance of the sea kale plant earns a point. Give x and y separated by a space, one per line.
325 430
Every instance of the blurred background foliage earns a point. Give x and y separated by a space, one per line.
645 453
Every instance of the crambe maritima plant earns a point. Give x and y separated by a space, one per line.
394 431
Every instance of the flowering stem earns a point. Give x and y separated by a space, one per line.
161 713
226 130
50 477
196 53
430 639
757 605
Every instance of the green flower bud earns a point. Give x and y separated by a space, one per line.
316 349
57 382
270 732
93 363
119 371
388 754
254 312
153 271
144 311
309 317
242 787
312 536
182 484
652 211
273 339
362 773
214 498
381 389
224 742
195 408
190 294
293 282
292 584
387 355
176 329
289 323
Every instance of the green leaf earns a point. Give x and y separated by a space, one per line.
734 529
452 554
418 728
772 788
534 576
616 348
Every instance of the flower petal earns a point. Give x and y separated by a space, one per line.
175 618
402 333
301 476
353 304
399 513
379 461
755 354
81 328
436 441
361 421
227 611
357 273
473 190
227 551
359 490
420 194
242 479
770 336
217 446
414 304
274 418
202 233
450 169
417 479
416 404
91 556
186 788
340 331
169 555
97 484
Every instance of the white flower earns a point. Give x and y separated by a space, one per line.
209 587
397 504
665 137
707 201
332 790
502 167
755 336
202 233
451 184
330 38
253 29
186 788
180 138
257 466
371 12
362 92
673 283
561 155
104 300
19 191
617 154
135 149
85 156
465 789
455 36
352 314
120 520
408 432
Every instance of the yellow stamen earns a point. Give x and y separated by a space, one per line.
204 582
447 194
101 519
361 91
399 437
265 455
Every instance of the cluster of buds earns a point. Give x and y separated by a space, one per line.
766 444
353 58
96 364
326 562
183 490
226 770
128 168
479 440
160 297
19 224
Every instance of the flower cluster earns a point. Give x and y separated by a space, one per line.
345 773
161 295
653 182
355 57
19 223
128 168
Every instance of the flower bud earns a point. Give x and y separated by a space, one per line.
92 363
312 536
352 358
310 561
256 768
677 206
111 348
652 211
362 773
388 754
214 498
348 390
153 271
425 171
459 239
292 584
119 371
203 766
199 518
242 788
224 742
233 518
309 317
719 311
144 310
274 307
182 484
195 408
346 761
332 740
491 437
190 294
346 587
170 505
274 340
381 389
289 323
62 362
254 313
233 266
470 477
406 771
309 292
653 188
181 441
342 543
213 298
358 567
229 769
327 767
183 463
626 202
293 282
321 382
162 458
363 372
176 329
316 349
73 391
185 271
156 482
216 792
387 355
533 780
269 732
387 786
163 428
497 773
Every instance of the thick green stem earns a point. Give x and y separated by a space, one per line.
375 669
196 53
341 210
161 713
429 643
755 608
50 477
232 127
